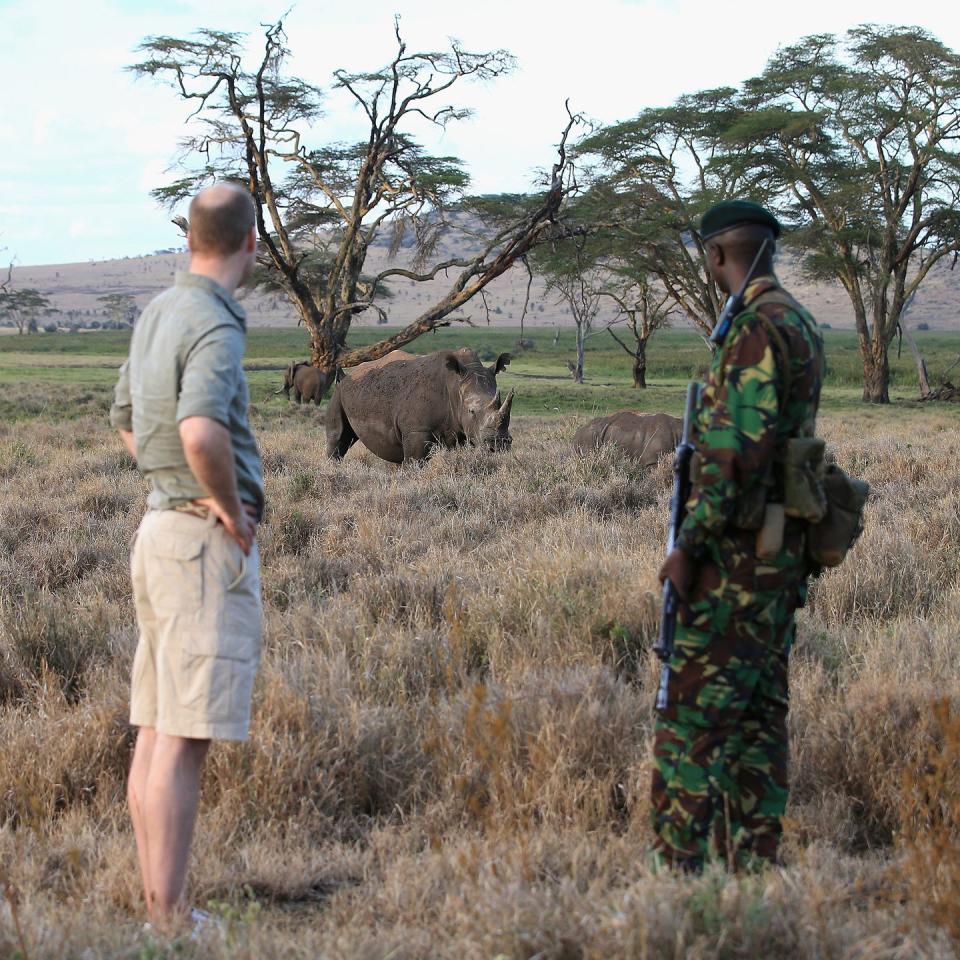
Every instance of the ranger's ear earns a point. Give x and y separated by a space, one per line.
453 363
501 363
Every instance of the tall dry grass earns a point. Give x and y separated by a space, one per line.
451 745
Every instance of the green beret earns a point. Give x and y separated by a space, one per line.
734 213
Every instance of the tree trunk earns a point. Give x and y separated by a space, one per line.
876 373
922 375
578 369
640 366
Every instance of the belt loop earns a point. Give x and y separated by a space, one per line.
212 519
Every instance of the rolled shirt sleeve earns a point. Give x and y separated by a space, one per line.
209 378
121 411
738 438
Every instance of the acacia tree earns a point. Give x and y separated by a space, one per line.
319 208
650 180
24 308
644 309
121 308
859 137
572 271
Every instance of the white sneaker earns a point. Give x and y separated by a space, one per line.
202 924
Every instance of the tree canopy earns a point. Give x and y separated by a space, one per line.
852 141
24 308
858 139
322 204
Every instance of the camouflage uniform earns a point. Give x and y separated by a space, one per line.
720 777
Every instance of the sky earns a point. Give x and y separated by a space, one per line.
82 141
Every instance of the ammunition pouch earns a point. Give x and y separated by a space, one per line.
802 469
830 540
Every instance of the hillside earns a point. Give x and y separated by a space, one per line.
76 287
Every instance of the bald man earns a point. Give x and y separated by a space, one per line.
739 568
181 408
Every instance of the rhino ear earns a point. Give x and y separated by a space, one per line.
501 363
454 364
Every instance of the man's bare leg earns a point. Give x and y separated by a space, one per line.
169 812
136 791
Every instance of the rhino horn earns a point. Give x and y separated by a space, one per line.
505 409
494 404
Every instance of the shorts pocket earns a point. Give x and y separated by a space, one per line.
208 685
174 570
242 608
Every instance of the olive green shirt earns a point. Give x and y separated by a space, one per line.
186 360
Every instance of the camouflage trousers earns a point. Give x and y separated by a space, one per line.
720 777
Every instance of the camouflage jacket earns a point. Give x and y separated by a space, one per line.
739 425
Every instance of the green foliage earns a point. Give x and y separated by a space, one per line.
23 308
859 136
321 206
650 181
121 307
853 140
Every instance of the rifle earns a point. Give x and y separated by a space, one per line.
678 509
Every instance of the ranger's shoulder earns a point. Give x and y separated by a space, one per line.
778 303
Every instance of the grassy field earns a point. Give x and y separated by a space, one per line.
540 375
450 753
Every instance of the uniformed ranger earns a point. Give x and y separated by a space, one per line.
720 778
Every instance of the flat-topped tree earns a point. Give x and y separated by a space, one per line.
24 308
319 208
649 181
121 308
644 308
860 136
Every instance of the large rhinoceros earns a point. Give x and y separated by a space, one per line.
401 409
645 437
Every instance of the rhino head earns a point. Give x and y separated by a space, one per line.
483 417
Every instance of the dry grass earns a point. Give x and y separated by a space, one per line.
450 754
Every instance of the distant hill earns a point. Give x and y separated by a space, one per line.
76 287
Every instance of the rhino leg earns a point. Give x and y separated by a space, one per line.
340 435
416 447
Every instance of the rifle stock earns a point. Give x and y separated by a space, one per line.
678 501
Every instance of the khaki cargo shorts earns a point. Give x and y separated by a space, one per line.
199 612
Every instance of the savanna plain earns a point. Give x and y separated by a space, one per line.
450 751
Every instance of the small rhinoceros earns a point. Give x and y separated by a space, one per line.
644 437
400 410
307 382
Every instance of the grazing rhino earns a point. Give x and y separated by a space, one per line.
401 409
307 382
361 368
644 437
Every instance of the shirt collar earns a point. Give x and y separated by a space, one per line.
186 279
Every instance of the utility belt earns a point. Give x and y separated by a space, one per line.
804 487
194 509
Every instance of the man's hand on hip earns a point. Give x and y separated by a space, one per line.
209 453
242 526
679 568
